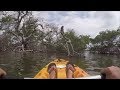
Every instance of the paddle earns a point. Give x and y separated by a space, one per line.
91 77
88 77
102 76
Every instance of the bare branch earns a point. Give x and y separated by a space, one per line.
20 19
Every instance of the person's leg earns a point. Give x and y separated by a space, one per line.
52 70
2 73
70 70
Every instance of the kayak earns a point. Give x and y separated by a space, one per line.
61 70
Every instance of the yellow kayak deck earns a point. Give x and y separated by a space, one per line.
61 68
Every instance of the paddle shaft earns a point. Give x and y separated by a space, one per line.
88 77
91 77
102 76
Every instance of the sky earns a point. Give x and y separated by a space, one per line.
83 22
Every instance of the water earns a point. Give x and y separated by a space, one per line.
28 64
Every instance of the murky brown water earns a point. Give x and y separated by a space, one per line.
28 64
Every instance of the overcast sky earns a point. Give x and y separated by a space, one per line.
83 22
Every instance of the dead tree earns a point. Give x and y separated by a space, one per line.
68 45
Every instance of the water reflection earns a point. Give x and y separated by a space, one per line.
96 62
28 64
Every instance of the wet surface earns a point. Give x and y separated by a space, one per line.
28 64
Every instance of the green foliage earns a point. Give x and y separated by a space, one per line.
79 42
106 36
104 41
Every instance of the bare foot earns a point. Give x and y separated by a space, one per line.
70 70
52 70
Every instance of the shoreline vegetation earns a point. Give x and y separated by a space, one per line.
20 31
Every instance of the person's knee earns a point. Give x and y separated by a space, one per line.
112 72
2 73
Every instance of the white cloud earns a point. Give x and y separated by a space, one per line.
83 22
42 14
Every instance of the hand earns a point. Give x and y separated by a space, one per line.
112 72
2 73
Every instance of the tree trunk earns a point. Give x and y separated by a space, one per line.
24 45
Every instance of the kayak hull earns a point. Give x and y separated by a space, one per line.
61 70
